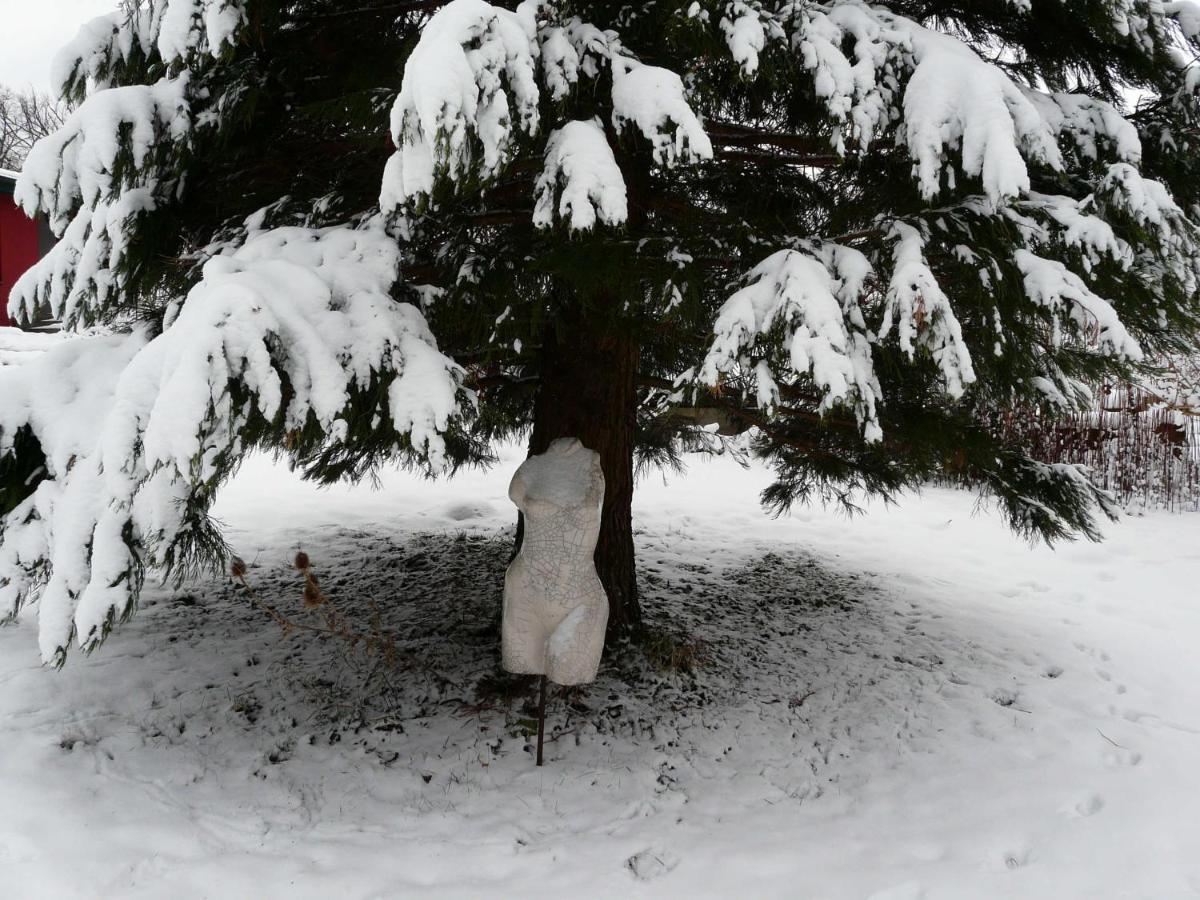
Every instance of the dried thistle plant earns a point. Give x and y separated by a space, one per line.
374 640
312 593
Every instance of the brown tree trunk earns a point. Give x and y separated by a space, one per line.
589 391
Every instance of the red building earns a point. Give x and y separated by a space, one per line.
21 241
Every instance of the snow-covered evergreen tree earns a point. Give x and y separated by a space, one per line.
865 232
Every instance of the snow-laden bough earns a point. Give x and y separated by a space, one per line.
290 330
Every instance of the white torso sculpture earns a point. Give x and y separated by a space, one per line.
555 608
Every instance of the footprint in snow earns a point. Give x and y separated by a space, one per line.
1092 652
1004 697
1014 856
1084 807
651 863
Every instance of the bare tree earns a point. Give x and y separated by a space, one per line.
25 118
8 129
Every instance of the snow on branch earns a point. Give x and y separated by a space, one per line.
1050 223
469 88
571 50
1187 14
92 56
1049 499
295 328
876 71
78 163
651 99
579 158
1074 224
860 90
1124 191
473 85
1052 285
747 28
654 100
176 29
807 303
111 161
922 313
1088 124
188 26
1147 201
956 100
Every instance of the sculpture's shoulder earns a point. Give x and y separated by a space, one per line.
567 474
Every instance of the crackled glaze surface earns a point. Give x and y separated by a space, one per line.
555 608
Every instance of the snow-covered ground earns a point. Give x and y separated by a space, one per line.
911 703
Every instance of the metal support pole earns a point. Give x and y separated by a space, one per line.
541 717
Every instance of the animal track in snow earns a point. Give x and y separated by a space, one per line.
1084 807
1092 652
1004 697
1011 856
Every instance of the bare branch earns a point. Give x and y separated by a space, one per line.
25 118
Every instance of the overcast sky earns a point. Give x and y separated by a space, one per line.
32 31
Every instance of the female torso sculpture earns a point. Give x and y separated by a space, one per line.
555 608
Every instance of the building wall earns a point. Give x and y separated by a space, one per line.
18 247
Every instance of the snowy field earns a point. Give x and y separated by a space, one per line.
908 704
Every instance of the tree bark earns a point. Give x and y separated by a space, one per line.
589 391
